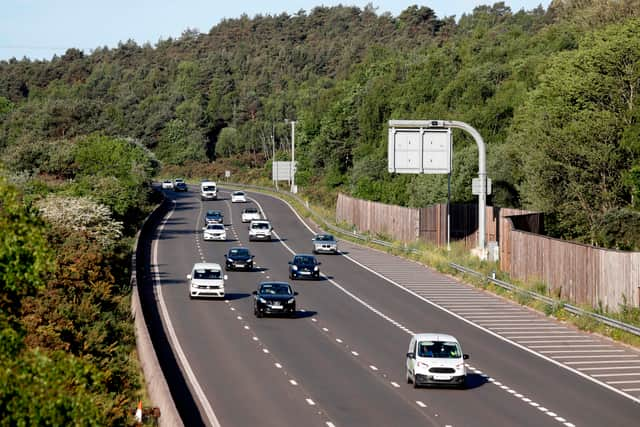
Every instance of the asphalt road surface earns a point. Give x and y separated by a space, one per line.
340 361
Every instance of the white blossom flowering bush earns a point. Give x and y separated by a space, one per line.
81 214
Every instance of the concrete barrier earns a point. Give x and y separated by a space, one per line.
156 383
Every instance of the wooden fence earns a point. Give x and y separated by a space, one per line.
578 273
396 222
581 274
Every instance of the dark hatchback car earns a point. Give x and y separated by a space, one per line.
274 298
180 186
213 217
238 258
304 266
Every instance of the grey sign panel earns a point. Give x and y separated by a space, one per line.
419 150
282 171
476 186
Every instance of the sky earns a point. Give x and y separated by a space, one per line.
38 29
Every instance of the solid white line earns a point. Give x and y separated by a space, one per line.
591 362
627 374
591 357
549 341
484 318
631 389
580 351
624 382
609 368
571 346
552 335
173 337
535 330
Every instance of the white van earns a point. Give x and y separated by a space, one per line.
206 280
435 359
208 190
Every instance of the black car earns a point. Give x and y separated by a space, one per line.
180 186
239 258
213 217
304 267
274 298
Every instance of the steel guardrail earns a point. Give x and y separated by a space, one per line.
505 285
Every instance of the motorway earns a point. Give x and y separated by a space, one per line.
340 361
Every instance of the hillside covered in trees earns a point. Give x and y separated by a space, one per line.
553 92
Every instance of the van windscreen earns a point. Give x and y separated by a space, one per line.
439 349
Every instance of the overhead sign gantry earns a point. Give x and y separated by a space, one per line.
425 146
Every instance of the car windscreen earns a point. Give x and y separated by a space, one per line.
238 193
275 289
324 237
260 226
206 274
239 252
215 227
251 210
439 349
304 260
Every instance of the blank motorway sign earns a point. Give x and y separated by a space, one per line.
419 150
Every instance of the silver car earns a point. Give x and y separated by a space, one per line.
325 243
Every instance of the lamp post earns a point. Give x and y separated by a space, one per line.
293 155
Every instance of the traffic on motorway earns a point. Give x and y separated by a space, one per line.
348 347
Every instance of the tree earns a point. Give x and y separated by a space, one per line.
571 131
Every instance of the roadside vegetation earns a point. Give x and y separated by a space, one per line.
67 344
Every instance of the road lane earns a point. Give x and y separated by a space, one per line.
346 353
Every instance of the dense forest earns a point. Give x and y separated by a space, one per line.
553 92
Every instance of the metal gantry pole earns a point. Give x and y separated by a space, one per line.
293 156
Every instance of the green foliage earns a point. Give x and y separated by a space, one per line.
229 143
40 388
181 142
25 258
572 128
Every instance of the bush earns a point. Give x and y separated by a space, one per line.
81 214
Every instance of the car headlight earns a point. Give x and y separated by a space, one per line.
291 301
294 268
315 268
262 300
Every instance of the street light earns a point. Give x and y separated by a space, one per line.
293 155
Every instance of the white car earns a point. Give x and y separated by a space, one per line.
260 230
206 280
214 232
251 214
238 197
435 358
167 184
